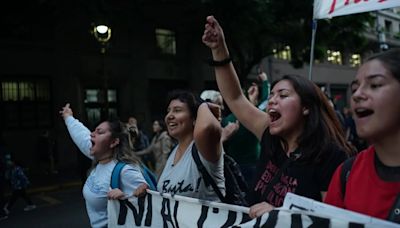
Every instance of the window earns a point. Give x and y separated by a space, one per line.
25 103
334 57
355 60
388 26
166 41
100 106
284 54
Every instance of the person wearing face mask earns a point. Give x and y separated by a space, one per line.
301 139
106 146
372 186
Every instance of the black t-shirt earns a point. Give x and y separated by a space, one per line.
301 178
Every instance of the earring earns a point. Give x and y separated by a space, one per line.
305 112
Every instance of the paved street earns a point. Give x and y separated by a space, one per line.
61 208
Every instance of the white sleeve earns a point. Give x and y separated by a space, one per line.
80 135
131 179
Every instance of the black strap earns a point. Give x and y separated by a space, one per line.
206 176
293 156
394 214
345 172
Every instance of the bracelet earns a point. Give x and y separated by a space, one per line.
223 62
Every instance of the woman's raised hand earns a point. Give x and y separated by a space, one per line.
66 111
213 36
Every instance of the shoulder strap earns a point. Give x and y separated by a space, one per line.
149 177
345 172
207 177
115 175
394 214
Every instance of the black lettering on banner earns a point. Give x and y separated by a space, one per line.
137 216
230 220
258 222
176 213
272 219
296 221
245 218
318 222
122 212
149 214
166 213
203 216
355 225
297 207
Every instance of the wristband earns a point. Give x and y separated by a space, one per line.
223 62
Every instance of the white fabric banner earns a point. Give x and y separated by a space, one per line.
178 211
333 8
166 211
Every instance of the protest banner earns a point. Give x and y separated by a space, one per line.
333 8
156 210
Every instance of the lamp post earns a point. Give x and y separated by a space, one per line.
102 33
383 46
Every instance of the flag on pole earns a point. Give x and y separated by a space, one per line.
333 8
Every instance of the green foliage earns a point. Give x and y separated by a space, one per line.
254 27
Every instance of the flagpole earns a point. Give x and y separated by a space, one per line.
314 31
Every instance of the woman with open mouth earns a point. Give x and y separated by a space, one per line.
372 186
302 142
192 124
106 145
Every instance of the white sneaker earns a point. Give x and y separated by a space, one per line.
30 207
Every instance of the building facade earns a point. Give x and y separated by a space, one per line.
57 60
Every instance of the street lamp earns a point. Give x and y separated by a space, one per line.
102 33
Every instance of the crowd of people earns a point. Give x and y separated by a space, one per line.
286 137
303 140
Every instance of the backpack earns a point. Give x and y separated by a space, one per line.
394 215
235 185
149 176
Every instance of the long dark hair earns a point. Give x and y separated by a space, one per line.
122 152
322 130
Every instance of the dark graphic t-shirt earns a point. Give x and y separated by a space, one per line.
304 179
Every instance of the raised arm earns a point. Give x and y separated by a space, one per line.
79 133
263 77
207 131
145 151
228 83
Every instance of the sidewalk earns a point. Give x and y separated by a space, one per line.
52 182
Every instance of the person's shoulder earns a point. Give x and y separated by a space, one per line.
131 168
366 153
164 134
334 152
